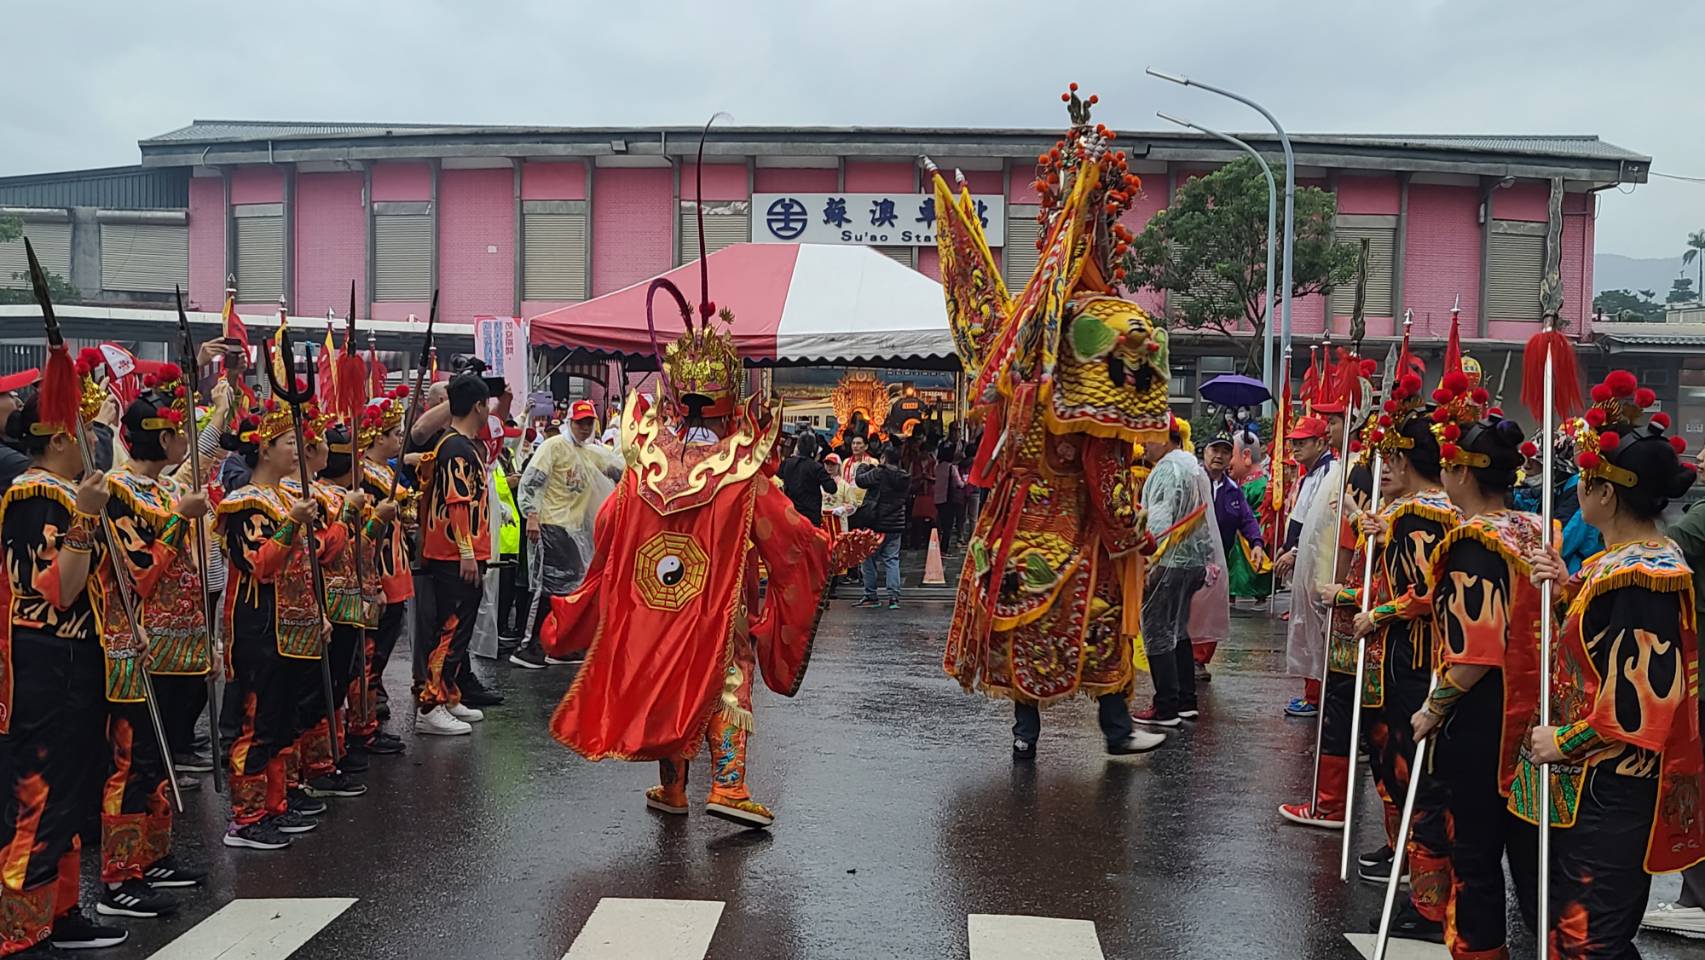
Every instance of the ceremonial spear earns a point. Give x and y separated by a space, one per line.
296 397
209 611
414 399
349 392
1326 648
121 574
1392 373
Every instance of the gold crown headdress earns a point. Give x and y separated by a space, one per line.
1084 146
701 369
382 416
172 398
271 422
1619 401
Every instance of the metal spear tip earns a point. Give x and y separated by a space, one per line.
1179 79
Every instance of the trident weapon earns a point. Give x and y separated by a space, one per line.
296 398
346 395
1326 648
210 614
1362 642
121 575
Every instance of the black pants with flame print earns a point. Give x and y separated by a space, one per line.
53 761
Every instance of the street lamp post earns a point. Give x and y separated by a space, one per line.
1269 373
1290 188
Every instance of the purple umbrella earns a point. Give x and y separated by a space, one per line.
1235 390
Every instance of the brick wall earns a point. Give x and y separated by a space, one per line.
476 243
1443 257
206 244
722 182
632 225
331 243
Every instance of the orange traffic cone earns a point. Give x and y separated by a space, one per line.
934 573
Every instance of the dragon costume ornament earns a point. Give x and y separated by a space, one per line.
1069 376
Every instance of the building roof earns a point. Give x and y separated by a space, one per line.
210 142
134 187
1640 337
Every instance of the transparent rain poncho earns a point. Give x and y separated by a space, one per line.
1173 492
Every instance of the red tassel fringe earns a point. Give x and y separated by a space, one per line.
351 387
61 392
1565 375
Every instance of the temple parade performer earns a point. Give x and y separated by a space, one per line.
1068 377
1624 753
51 692
381 442
154 518
670 611
275 624
1485 616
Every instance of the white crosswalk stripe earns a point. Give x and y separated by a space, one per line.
623 929
256 929
1398 949
1004 937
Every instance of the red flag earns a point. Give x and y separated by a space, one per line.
325 374
1453 347
1311 385
234 329
376 371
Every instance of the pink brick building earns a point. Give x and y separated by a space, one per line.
515 221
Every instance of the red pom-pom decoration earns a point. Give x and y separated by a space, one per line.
1621 383
1678 443
148 382
1385 420
170 371
1368 367
1594 417
1529 449
1660 420
1480 395
1608 441
1453 432
81 368
1588 460
401 391
1448 451
270 405
1441 395
1456 381
1411 382
1391 406
1600 393
1441 415
1645 397
91 357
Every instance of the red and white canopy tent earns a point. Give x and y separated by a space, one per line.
793 304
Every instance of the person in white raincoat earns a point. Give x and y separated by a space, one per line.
562 489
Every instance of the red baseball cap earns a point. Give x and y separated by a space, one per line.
19 380
583 410
1331 407
1308 428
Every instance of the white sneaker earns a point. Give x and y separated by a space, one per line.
1140 741
1676 919
470 714
438 722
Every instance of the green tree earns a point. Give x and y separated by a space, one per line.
1208 251
1695 252
1628 307
12 230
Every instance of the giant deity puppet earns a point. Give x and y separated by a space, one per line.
671 613
1069 377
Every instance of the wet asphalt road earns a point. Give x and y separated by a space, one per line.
899 813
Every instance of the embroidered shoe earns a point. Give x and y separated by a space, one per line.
742 810
667 800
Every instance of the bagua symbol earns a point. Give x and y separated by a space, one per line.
786 218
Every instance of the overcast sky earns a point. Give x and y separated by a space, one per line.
112 73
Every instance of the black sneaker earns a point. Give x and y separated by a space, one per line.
168 872
334 785
1410 925
868 602
1374 858
192 763
1378 874
893 604
135 898
291 822
256 836
300 802
528 657
383 711
480 697
383 745
355 761
74 931
1023 749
